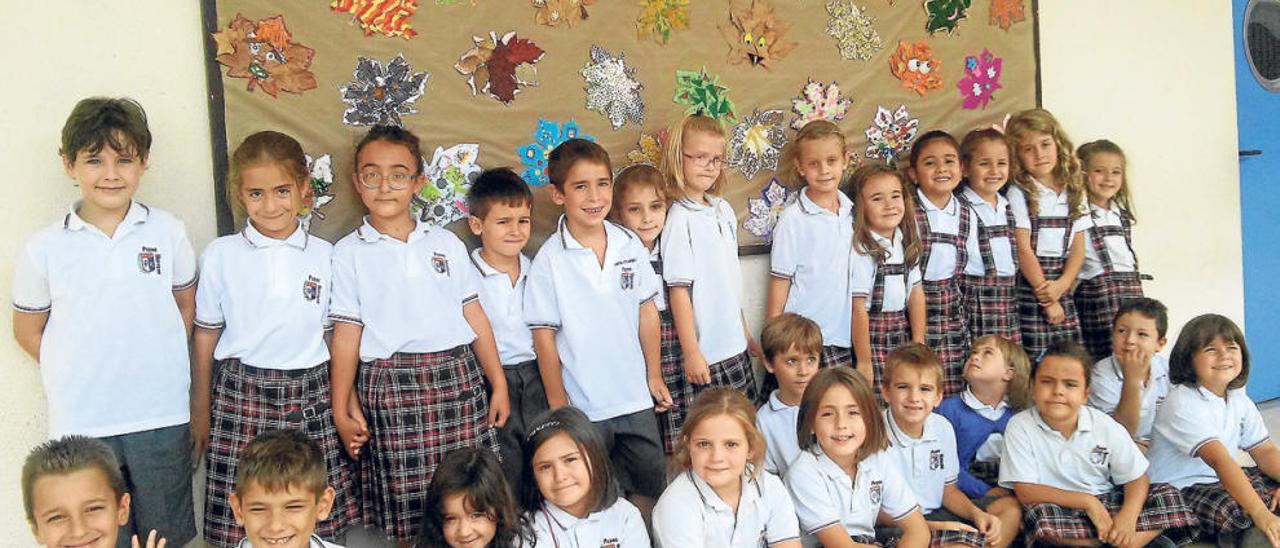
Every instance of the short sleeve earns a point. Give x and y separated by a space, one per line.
184 258
913 278
950 459
209 313
1104 387
678 268
816 506
541 305
1253 431
782 254
1182 425
1018 205
344 306
781 523
31 281
862 275
634 532
1127 462
468 277
675 524
1081 224
896 498
1019 462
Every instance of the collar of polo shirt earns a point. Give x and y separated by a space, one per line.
137 213
298 238
564 520
808 206
952 207
1084 420
610 231
1045 190
898 437
974 403
367 233
886 243
976 199
710 498
833 470
486 270
775 402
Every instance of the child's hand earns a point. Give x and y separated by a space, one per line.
1099 516
499 408
696 369
951 526
1054 314
1133 362
1051 290
152 542
753 348
352 429
987 524
1123 528
199 433
661 396
1270 526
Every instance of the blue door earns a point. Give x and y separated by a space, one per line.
1257 60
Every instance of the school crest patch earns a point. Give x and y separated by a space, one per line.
440 263
875 491
628 278
311 289
935 459
1099 455
149 260
610 542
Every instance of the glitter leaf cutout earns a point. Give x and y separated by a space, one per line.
819 103
757 141
854 32
612 89
379 95
443 199
891 134
763 212
659 18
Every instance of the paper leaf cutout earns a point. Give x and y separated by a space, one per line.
762 212
757 141
854 31
890 134
819 103
380 95
649 149
703 94
546 136
612 89
500 66
553 12
755 35
320 180
981 79
385 17
443 199
1004 13
264 52
944 14
916 68
658 18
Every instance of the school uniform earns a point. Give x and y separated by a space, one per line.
1052 230
991 272
618 526
1109 275
595 313
929 464
944 232
421 389
1106 381
269 299
979 431
777 423
825 496
1098 459
1191 417
672 363
811 249
690 513
113 355
313 542
885 286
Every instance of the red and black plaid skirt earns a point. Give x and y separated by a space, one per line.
991 306
1218 512
1036 331
1164 510
250 400
670 421
947 331
939 538
888 330
833 356
419 408
1097 301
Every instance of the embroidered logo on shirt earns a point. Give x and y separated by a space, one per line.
875 490
1099 455
935 459
609 542
149 260
628 278
440 263
311 289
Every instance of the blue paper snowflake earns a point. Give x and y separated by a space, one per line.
762 212
546 136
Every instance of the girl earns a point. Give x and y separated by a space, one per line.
420 391
990 274
469 505
884 280
261 318
720 497
700 260
1110 272
809 272
1077 472
842 479
574 498
1047 199
1204 421
945 226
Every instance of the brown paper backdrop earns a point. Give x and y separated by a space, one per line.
449 114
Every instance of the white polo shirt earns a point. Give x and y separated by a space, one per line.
655 256
993 447
1051 204
113 357
269 297
1122 259
777 423
943 220
862 274
700 251
811 249
690 513
314 542
408 296
824 495
1107 381
928 463
503 303
1002 247
1192 417
617 526
595 311
1098 457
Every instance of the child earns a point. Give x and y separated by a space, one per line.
470 504
1047 200
573 500
1132 383
1204 421
945 227
809 272
720 497
843 478
1067 462
73 493
884 277
103 301
792 346
1110 272
280 491
500 203
262 314
700 260
419 391
990 275
589 301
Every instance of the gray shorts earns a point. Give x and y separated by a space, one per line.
157 473
635 451
528 400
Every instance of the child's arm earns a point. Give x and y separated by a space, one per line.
959 504
753 347
651 347
204 340
344 357
776 301
1035 493
862 338
695 364
1238 486
915 531
1128 410
1054 289
1125 522
28 330
544 347
835 536
186 300
1028 262
486 351
916 313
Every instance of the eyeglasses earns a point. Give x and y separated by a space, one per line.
702 160
372 180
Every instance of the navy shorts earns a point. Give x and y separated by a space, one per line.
157 473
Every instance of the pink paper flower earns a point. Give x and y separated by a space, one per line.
981 79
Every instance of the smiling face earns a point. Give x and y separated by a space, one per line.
1217 364
462 525
107 179
1038 154
911 394
1104 176
719 451
1059 389
563 474
505 228
840 427
389 161
794 369
280 519
821 163
937 169
1135 331
644 212
703 160
986 364
77 509
586 195
988 169
271 199
882 202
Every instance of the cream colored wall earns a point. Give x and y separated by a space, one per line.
1134 72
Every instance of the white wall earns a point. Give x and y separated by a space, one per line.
1153 75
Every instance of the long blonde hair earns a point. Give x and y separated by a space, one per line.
1122 197
812 131
713 403
863 242
1066 170
673 160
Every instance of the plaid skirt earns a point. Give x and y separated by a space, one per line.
419 408
1097 301
1164 510
250 400
889 330
1218 512
991 307
670 421
833 356
1036 331
947 331
938 539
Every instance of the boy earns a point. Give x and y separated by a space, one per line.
280 491
103 299
589 302
792 347
1133 381
500 204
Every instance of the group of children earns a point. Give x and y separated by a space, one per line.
602 393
